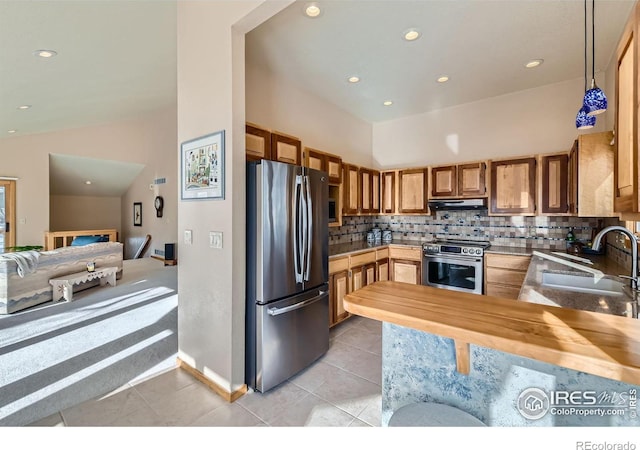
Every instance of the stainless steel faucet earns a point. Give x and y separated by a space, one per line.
634 250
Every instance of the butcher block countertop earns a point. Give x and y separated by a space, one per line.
599 344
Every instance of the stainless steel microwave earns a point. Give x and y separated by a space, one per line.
333 211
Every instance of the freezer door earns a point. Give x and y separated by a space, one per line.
290 335
316 257
275 257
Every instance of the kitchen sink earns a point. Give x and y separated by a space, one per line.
580 283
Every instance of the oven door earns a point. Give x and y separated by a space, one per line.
452 272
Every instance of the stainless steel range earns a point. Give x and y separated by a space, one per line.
455 265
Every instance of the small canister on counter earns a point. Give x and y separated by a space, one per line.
377 234
370 236
386 236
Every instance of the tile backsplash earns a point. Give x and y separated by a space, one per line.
544 232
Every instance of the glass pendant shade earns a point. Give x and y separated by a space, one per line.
595 102
584 121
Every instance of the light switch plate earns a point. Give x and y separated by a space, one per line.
215 239
188 237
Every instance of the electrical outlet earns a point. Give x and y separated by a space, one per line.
215 239
188 237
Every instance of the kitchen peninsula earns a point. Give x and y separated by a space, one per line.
479 353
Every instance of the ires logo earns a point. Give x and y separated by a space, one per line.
535 403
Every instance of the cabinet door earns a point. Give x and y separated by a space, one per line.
388 197
315 159
626 162
286 149
471 180
366 200
334 169
350 189
572 193
358 278
375 191
555 181
443 181
383 269
412 191
406 271
369 272
513 186
257 143
338 288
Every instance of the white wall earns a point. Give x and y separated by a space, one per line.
161 162
79 212
211 86
278 105
540 120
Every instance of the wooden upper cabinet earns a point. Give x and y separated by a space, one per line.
350 189
375 191
315 159
554 183
471 180
513 186
626 120
388 192
287 149
591 165
332 164
412 191
257 143
334 169
443 181
365 189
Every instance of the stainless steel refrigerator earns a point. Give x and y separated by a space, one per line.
287 326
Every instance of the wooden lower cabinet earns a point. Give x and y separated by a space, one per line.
383 269
405 264
339 286
363 275
406 271
504 274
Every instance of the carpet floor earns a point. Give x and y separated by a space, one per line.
55 356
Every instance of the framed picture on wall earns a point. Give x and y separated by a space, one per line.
137 214
202 167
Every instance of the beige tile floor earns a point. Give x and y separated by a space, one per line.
342 389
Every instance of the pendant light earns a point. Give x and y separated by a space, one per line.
595 102
583 121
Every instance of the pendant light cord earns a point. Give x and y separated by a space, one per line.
593 40
585 45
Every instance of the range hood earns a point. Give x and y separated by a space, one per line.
462 204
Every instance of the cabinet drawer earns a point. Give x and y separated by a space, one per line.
363 258
505 276
409 253
501 290
382 253
338 264
512 262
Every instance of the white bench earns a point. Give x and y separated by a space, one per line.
63 286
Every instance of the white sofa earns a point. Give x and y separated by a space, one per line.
18 293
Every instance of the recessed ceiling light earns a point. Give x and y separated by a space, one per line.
24 106
45 53
354 79
11 131
388 103
411 34
312 10
87 182
534 63
443 79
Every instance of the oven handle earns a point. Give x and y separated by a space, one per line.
454 258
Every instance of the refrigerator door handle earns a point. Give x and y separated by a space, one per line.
297 219
309 228
302 304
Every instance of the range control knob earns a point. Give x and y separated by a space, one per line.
464 250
